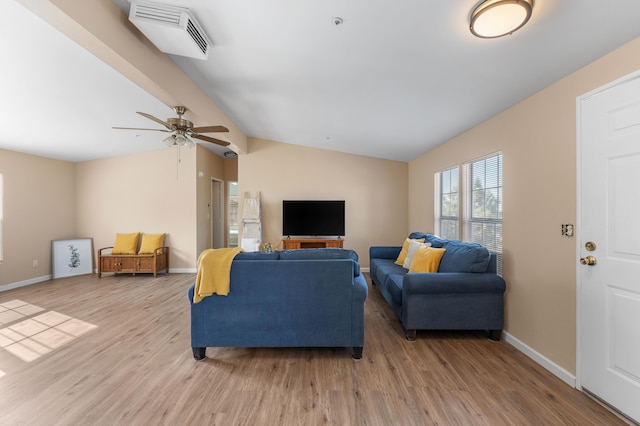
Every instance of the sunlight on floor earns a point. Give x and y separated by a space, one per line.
38 335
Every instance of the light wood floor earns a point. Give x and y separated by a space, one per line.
136 367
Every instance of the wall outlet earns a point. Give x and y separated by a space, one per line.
35 263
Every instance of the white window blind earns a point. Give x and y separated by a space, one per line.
482 222
448 203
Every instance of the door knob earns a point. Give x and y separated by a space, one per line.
589 260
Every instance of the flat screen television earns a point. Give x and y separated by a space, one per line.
313 218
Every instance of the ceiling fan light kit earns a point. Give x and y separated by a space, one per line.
178 140
498 18
169 141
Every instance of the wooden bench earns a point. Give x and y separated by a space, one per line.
133 263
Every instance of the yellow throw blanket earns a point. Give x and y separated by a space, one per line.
214 272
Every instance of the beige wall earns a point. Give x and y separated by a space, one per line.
538 140
375 190
212 166
146 192
39 206
231 169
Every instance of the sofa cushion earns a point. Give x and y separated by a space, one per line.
429 238
436 241
464 257
427 259
413 249
418 235
322 253
318 253
380 268
256 255
402 256
393 284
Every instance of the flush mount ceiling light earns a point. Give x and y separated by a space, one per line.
497 18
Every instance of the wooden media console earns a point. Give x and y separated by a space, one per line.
309 243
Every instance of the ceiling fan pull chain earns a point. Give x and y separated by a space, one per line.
178 163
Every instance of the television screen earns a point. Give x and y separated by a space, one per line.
313 218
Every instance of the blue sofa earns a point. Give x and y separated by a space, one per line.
290 298
465 293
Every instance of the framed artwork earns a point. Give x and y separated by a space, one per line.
72 257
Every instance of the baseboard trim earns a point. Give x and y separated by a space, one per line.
25 283
545 362
37 280
183 270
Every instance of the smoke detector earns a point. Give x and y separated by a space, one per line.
171 29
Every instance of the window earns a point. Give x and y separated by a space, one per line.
483 204
448 204
480 200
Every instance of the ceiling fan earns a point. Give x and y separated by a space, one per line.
181 129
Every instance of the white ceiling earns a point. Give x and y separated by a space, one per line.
396 79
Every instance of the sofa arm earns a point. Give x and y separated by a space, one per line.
106 250
360 289
452 283
384 252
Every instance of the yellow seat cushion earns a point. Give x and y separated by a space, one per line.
126 243
405 249
426 259
150 242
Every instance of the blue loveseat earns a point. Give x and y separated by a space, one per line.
465 293
290 298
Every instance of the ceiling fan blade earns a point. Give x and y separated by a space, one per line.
208 139
157 120
210 129
138 128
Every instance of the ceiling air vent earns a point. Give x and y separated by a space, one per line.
172 29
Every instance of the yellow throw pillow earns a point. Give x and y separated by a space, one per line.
427 259
413 248
126 243
150 242
405 249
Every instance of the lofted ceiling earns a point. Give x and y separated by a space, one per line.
394 80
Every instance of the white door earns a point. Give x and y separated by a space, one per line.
609 217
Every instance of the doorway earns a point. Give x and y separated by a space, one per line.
608 302
217 213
